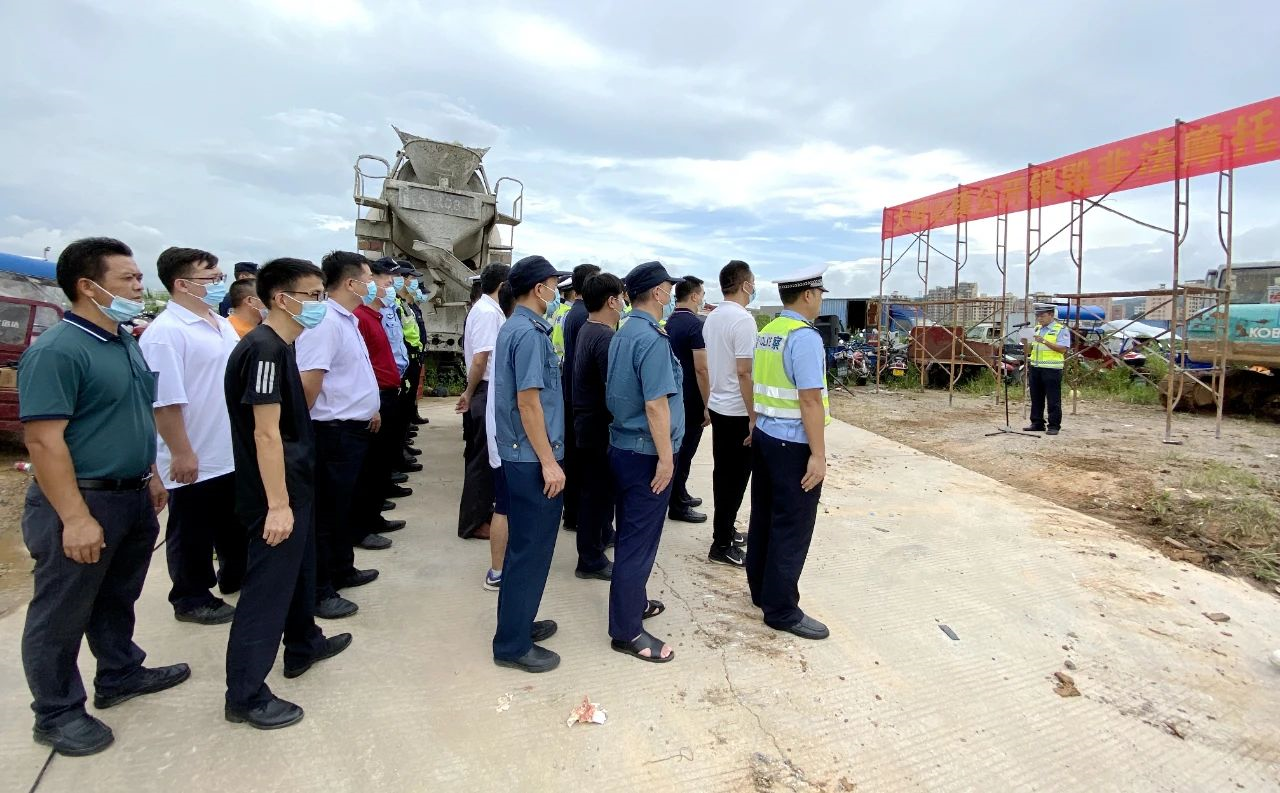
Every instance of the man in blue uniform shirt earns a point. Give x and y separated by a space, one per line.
529 423
643 391
788 454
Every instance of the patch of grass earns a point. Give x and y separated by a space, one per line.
1215 474
983 383
446 372
909 380
1117 384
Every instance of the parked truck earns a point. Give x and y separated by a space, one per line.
30 303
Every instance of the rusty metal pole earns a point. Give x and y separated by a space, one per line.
1002 263
922 259
1222 326
1077 258
955 305
1173 291
882 309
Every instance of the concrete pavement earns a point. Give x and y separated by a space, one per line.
905 543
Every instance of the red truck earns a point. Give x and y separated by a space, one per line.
30 303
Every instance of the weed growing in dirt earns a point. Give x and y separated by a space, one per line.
1217 474
984 383
1119 383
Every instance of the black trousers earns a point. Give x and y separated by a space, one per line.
684 458
1046 387
730 475
572 472
639 530
475 508
597 502
409 395
375 474
202 519
341 447
277 600
532 524
782 518
73 601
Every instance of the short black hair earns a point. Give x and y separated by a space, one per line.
281 275
341 265
506 300
599 288
581 274
241 291
687 286
175 263
86 258
493 277
733 275
792 293
476 291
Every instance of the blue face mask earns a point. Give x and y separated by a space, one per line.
553 305
370 292
754 294
312 312
413 284
670 305
214 293
398 282
121 309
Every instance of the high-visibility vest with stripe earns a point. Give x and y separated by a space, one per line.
557 328
775 394
1044 357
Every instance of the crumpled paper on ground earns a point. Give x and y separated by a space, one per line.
587 713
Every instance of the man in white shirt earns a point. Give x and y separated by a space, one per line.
730 336
342 395
484 320
187 347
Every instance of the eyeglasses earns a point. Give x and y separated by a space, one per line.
317 296
213 279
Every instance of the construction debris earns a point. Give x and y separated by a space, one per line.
1066 686
1217 616
587 713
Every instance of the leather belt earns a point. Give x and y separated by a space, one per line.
115 485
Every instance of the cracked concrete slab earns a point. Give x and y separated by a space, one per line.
905 543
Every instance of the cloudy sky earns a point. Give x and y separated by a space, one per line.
689 132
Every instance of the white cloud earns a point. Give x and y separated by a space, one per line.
333 223
309 118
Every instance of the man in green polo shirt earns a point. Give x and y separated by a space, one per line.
85 396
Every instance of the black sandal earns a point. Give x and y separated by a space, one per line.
644 641
652 609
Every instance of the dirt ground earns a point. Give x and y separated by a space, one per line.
1207 501
15 562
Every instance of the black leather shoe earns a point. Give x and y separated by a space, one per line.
1051 431
333 646
692 501
80 737
604 574
1032 428
687 515
374 542
732 556
399 478
269 716
387 506
335 608
806 628
543 630
538 659
399 491
390 525
211 614
410 467
147 681
415 451
420 420
357 578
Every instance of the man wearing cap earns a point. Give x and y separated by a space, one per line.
396 425
244 271
644 394
1046 354
788 453
406 305
529 433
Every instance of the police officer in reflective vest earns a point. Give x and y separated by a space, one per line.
1045 356
788 457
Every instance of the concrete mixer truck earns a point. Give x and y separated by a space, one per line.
435 207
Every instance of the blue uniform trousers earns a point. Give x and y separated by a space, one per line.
641 516
532 523
782 518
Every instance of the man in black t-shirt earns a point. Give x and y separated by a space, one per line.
274 447
684 328
602 296
569 325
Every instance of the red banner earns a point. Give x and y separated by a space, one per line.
1232 139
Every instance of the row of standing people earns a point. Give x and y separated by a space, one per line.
610 424
274 440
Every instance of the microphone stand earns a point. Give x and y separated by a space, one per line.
1007 429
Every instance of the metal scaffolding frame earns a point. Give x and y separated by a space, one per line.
1080 205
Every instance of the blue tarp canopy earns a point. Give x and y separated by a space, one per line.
25 265
1087 313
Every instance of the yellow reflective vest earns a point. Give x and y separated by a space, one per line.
1044 357
775 394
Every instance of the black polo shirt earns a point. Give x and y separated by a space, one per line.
684 328
569 326
101 385
263 370
591 415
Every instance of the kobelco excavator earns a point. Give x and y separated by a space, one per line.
437 209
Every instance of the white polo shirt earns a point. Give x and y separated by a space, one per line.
481 332
335 346
730 334
190 358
